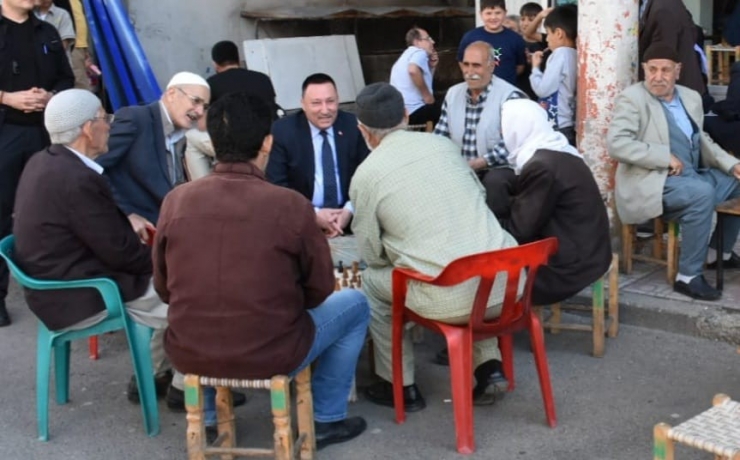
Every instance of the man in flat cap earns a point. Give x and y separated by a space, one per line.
420 206
147 144
669 167
67 226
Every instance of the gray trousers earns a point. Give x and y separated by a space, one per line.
378 290
690 199
150 311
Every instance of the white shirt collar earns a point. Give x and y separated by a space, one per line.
88 162
315 131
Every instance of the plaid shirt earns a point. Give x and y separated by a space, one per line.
498 155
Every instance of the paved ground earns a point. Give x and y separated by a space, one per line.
606 407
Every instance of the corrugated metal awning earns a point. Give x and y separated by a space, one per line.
349 12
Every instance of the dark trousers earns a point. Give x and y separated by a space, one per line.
570 134
429 112
499 184
17 144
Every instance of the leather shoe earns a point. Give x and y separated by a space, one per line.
175 399
336 432
211 434
733 263
697 288
381 393
442 357
490 383
161 383
4 316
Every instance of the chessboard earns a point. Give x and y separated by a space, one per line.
348 277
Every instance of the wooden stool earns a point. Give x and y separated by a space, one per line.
629 236
716 430
719 60
725 209
286 447
598 325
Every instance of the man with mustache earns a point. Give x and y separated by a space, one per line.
471 117
316 152
669 167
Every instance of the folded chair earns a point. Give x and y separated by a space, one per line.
138 337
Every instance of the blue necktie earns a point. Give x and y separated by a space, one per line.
331 195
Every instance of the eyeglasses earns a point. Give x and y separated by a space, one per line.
108 117
197 101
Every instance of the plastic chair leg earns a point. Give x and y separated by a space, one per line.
61 372
543 372
460 347
139 344
506 345
43 368
397 363
93 346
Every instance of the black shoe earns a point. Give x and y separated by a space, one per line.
161 383
175 399
697 288
442 357
4 316
490 383
382 393
211 434
336 432
733 263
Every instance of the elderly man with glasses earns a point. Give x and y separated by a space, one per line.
412 76
145 155
67 226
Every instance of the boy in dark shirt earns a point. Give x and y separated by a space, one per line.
533 42
507 44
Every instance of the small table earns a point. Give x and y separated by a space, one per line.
726 208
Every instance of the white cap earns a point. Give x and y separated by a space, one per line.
187 78
70 109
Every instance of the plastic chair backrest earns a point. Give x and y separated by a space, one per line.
487 266
106 287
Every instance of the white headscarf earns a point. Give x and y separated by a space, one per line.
526 129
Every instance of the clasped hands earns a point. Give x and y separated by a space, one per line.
333 221
675 168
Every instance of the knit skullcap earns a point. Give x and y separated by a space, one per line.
660 51
380 106
187 78
70 109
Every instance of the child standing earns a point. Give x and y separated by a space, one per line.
507 44
531 15
556 86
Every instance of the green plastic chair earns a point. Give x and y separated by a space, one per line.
138 337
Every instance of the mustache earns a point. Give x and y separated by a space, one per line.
472 77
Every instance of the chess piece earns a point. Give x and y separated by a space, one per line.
340 269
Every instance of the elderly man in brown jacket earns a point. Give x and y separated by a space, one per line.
249 277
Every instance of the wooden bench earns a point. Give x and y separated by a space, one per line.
719 60
286 446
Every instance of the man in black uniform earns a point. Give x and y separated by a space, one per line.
33 66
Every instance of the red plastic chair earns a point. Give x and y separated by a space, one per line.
92 342
516 315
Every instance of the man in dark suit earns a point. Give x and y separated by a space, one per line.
147 143
316 151
67 226
231 78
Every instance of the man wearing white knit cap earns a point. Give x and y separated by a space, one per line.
146 146
68 227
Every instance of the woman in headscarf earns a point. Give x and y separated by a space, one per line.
555 195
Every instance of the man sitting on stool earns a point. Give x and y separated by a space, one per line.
669 167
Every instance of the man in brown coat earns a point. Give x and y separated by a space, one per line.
248 275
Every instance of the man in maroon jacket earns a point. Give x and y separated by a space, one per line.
249 278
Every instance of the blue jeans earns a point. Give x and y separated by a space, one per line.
341 325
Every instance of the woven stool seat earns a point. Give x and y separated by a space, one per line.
716 430
286 445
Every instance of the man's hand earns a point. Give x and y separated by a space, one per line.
27 101
343 218
537 59
433 60
675 167
140 225
477 163
736 171
428 98
328 221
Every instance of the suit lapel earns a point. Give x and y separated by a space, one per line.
306 158
341 142
657 116
159 142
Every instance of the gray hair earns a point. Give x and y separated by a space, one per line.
491 52
66 137
380 133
